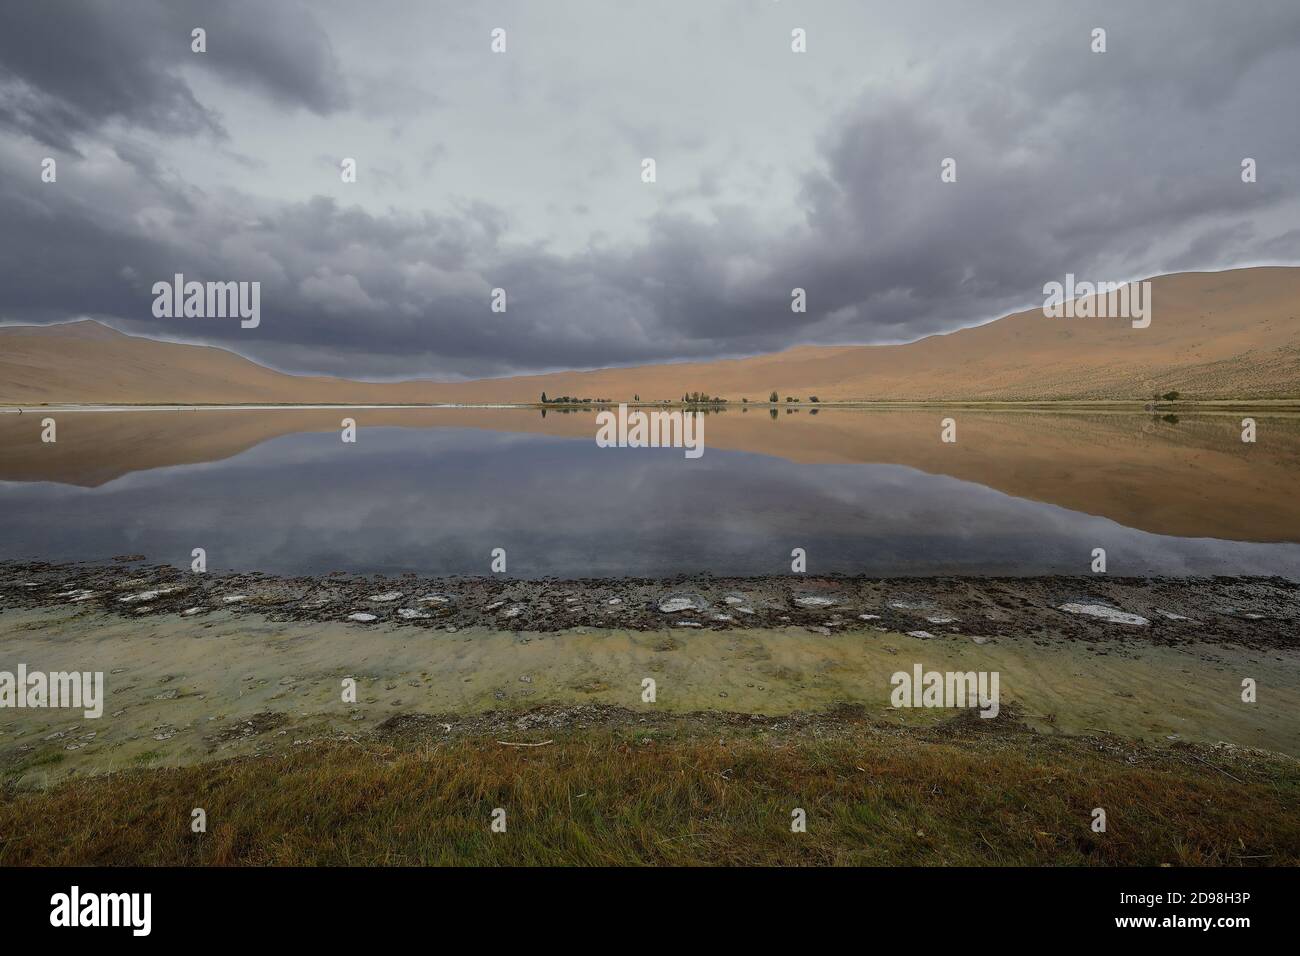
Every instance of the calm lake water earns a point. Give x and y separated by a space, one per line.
861 491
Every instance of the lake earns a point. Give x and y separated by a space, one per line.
873 492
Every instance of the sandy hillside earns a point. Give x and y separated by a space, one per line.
1231 334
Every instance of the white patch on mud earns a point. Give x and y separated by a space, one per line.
680 602
147 595
1109 614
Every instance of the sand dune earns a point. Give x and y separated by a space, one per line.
1220 335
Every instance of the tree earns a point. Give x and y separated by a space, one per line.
543 398
773 397
1170 396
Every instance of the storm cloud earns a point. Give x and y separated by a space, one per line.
521 170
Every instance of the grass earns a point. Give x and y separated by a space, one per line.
961 795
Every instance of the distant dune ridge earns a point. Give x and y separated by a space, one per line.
1213 335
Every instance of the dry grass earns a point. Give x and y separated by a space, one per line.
613 796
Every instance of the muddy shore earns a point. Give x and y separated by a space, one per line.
203 667
1254 612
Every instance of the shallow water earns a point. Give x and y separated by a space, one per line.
870 492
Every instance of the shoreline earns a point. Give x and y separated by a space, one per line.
1123 405
1253 611
199 667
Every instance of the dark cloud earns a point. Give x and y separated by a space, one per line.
1111 166
68 67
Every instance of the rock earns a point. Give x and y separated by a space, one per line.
386 597
868 617
410 614
814 601
919 634
361 616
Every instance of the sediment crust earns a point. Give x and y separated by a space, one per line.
1257 612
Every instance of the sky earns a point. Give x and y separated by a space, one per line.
522 170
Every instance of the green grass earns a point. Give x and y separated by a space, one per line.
613 796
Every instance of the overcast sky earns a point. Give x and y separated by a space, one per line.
522 170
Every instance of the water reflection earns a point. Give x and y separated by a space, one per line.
437 499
